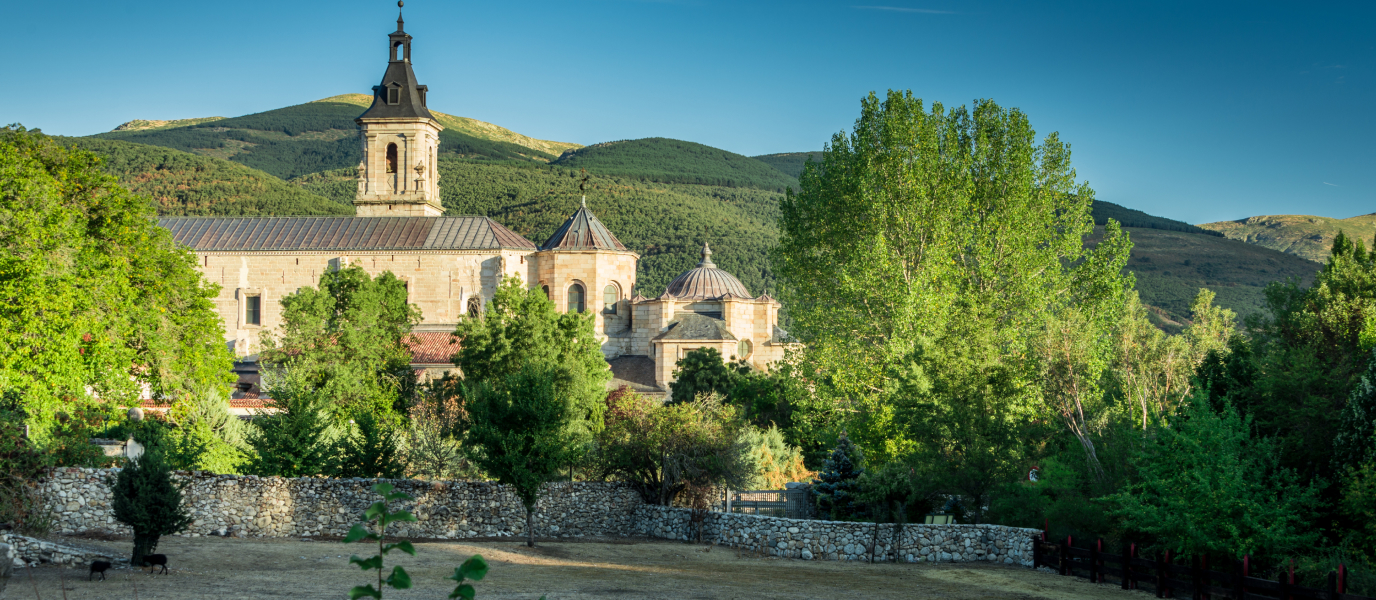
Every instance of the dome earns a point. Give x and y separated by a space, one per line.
705 282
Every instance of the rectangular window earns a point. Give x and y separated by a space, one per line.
253 310
393 95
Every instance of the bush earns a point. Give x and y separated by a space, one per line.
773 463
296 441
207 437
21 464
147 500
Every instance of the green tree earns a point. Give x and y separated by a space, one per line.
101 300
348 338
1207 485
522 426
146 499
663 450
702 371
521 328
296 440
371 448
207 436
921 224
838 483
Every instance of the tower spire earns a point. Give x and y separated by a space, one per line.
706 256
400 24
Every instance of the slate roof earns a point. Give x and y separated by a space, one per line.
694 326
343 233
705 282
411 100
582 231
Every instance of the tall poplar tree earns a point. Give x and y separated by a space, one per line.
925 229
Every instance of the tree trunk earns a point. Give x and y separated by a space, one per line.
530 526
144 544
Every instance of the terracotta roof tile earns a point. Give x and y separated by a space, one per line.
342 233
432 347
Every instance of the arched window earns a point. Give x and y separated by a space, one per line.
610 296
475 308
575 298
743 349
391 158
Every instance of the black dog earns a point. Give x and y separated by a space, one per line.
98 567
153 560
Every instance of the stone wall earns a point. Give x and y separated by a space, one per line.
835 540
250 506
20 549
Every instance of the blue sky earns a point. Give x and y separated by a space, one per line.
1195 111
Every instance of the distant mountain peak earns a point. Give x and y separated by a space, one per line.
150 124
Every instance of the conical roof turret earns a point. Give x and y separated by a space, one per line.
582 231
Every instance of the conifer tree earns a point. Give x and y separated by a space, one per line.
147 500
371 450
294 442
838 483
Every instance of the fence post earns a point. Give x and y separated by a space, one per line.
1342 578
1094 561
1332 586
1205 580
1127 566
1065 555
1283 589
1036 553
1161 573
1240 581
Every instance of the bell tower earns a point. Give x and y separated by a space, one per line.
398 175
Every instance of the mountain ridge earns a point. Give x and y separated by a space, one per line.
1306 236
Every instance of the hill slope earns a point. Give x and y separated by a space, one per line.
472 127
1171 266
790 163
1300 235
306 138
187 184
675 161
665 223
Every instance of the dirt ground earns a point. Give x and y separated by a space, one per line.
561 570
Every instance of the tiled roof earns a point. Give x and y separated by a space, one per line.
432 347
342 233
582 231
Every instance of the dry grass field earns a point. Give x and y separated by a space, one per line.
561 570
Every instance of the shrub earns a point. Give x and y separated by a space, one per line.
147 500
838 482
371 449
294 442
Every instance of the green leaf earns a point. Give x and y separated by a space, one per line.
367 564
474 568
457 576
399 579
403 545
357 532
378 509
464 591
364 590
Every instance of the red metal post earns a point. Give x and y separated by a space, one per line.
1342 578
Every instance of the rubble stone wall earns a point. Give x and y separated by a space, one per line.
836 540
251 506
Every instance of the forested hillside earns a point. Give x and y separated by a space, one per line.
664 198
306 138
664 160
790 163
1171 266
1301 235
665 223
187 184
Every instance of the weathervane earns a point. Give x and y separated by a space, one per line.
583 187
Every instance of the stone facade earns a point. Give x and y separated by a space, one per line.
593 271
443 285
836 540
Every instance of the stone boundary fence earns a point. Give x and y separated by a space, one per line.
838 540
251 506
19 549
